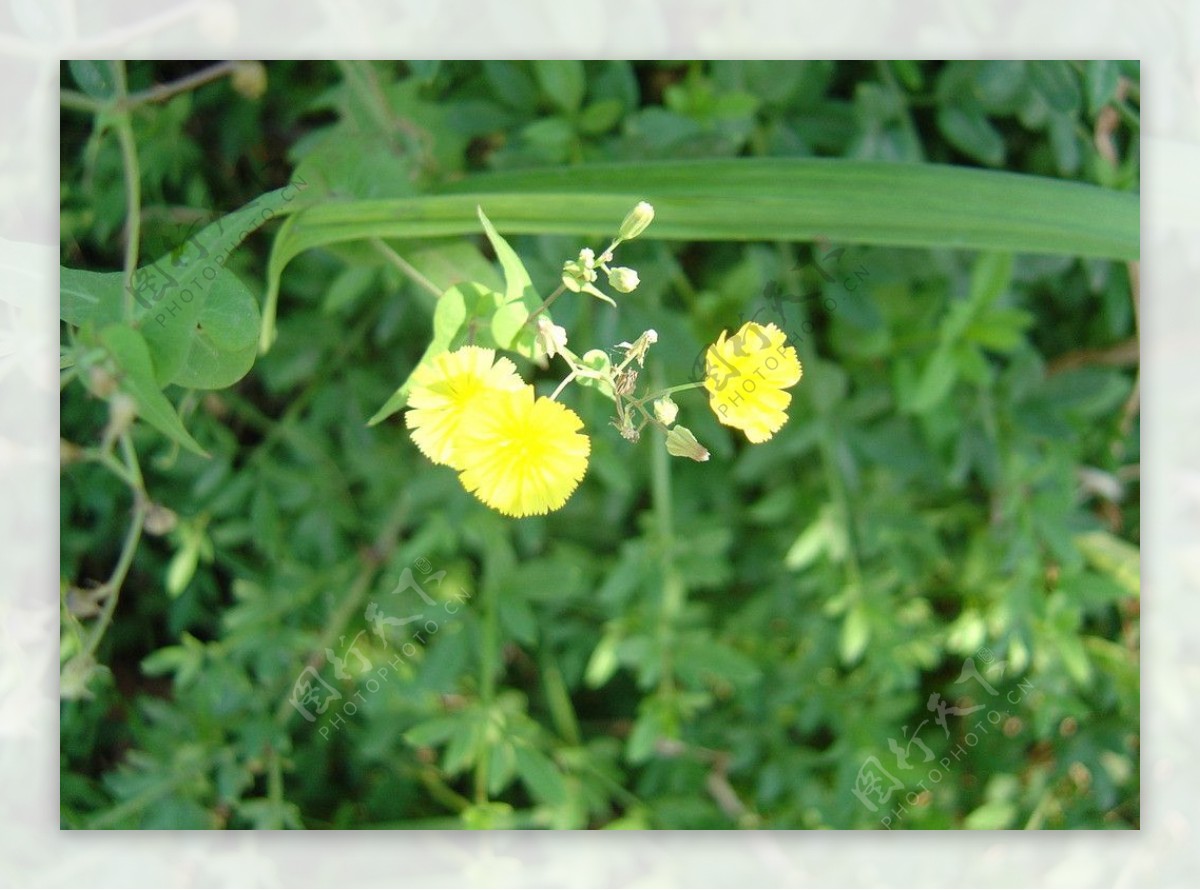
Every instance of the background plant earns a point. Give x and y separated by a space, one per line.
682 646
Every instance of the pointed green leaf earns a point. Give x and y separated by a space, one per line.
132 356
460 309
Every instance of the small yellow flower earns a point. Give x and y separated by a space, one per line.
746 376
522 455
444 391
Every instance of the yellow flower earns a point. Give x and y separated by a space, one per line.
445 389
746 376
522 455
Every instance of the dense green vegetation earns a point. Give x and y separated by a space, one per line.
916 606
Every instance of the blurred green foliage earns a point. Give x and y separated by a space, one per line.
947 528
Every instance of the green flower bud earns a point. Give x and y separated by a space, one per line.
623 279
682 443
635 223
666 410
579 273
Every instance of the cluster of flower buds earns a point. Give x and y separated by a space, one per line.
580 274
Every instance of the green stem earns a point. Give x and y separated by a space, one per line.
405 266
76 101
165 91
113 585
546 304
133 192
487 680
674 593
275 786
558 389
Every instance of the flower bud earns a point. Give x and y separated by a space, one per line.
550 337
579 273
666 410
101 382
635 223
249 79
160 519
623 279
122 409
682 443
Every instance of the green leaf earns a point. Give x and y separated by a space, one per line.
132 356
1101 78
1113 557
938 378
563 81
183 566
225 342
991 816
990 277
968 129
172 291
600 117
458 307
520 299
434 732
541 777
170 294
1001 330
745 199
598 361
856 634
1057 83
604 661
501 766
452 261
85 297
97 79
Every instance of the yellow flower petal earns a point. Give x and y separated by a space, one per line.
520 455
445 388
746 376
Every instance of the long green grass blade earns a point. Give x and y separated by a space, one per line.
774 199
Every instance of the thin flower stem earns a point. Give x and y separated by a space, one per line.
546 304
165 91
487 680
275 786
406 267
554 395
674 592
76 101
133 192
680 388
112 586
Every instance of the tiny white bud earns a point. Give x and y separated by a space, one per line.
550 337
623 279
666 410
637 220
